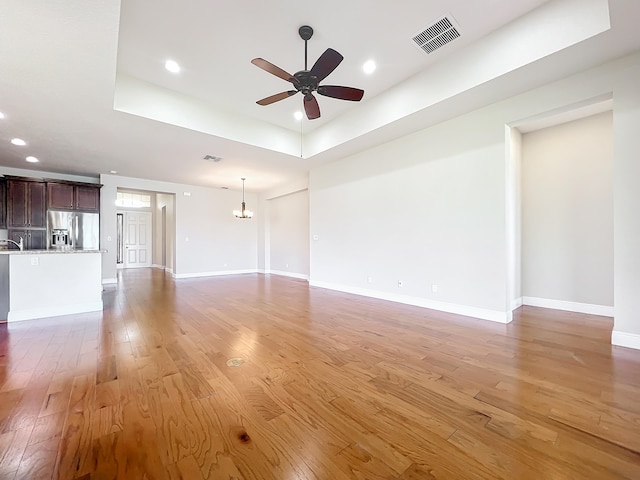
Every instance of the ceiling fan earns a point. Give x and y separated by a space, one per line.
307 81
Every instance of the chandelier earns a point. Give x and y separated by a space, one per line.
244 213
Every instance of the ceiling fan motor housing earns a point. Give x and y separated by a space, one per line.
307 83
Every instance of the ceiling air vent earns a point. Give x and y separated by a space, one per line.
212 158
437 35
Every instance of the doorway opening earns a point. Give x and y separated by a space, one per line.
560 210
145 227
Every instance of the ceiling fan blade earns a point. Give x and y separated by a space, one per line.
276 98
343 93
311 107
272 69
326 64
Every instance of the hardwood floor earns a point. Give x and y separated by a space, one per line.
329 386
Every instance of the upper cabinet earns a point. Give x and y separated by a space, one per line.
26 204
73 196
60 195
88 198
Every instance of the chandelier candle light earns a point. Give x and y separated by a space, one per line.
244 213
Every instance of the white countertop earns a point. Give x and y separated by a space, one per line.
47 252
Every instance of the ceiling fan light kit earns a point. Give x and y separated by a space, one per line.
243 213
308 81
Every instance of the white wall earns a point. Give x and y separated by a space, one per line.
430 208
626 230
427 209
209 239
567 212
263 220
513 220
289 234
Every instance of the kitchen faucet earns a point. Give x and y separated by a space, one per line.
19 245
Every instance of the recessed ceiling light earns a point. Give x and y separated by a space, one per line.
1 115
18 141
113 172
369 67
298 115
172 66
32 160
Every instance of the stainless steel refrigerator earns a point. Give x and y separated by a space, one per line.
73 230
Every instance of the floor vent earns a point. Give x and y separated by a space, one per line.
235 362
437 35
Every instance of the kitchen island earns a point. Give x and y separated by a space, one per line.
47 283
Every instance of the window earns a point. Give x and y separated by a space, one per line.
133 200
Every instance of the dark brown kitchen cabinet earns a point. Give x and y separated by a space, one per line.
60 195
73 196
88 198
26 204
33 239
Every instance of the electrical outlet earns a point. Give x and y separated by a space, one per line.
35 261
369 280
400 284
434 288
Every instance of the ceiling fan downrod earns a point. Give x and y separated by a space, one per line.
305 32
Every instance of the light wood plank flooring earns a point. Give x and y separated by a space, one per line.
329 386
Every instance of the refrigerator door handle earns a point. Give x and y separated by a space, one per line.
74 228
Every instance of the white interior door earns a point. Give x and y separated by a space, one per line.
137 239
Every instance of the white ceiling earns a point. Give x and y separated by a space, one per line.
84 82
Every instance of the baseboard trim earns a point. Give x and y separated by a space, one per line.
467 311
33 313
624 339
587 308
301 276
212 274
516 303
109 281
160 267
